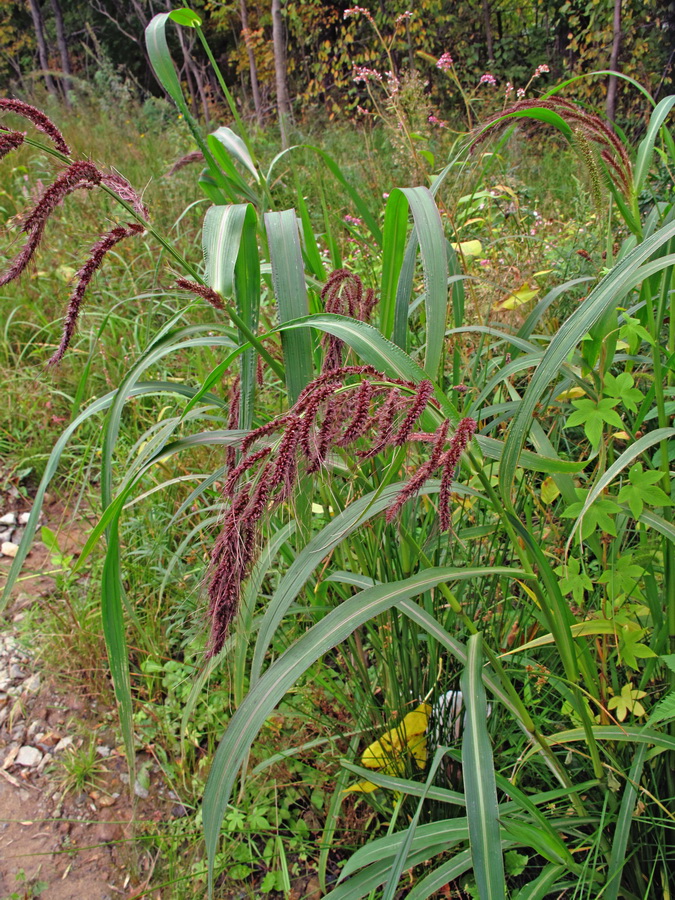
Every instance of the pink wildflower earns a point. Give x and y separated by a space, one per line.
363 73
445 62
434 121
487 78
357 11
540 70
520 93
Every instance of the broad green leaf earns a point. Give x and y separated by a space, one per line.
431 240
288 279
229 242
185 16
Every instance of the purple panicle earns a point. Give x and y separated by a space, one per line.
84 276
10 140
38 118
207 293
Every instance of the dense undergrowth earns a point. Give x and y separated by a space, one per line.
540 309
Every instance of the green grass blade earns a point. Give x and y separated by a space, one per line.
401 857
480 787
98 406
112 619
645 152
290 290
617 859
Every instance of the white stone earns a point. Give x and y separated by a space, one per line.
9 549
8 519
62 744
32 684
28 756
23 518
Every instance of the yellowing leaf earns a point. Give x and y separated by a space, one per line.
571 393
505 190
408 736
471 249
523 295
549 490
543 272
621 436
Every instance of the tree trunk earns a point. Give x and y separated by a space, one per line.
281 76
489 39
252 67
63 49
614 62
43 56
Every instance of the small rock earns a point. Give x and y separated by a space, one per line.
23 518
18 733
8 519
62 744
29 756
103 751
140 791
15 671
32 684
9 549
6 535
178 811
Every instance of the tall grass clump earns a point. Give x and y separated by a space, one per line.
462 530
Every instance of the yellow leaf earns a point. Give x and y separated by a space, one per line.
523 295
472 249
549 490
543 272
505 190
621 436
571 393
361 787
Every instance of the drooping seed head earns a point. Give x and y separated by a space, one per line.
84 276
39 119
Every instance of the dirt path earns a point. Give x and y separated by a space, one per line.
55 844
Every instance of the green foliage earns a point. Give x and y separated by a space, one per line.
550 602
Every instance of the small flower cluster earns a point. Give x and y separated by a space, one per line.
77 175
540 70
488 78
520 93
357 11
362 73
352 220
403 17
445 62
433 120
329 414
